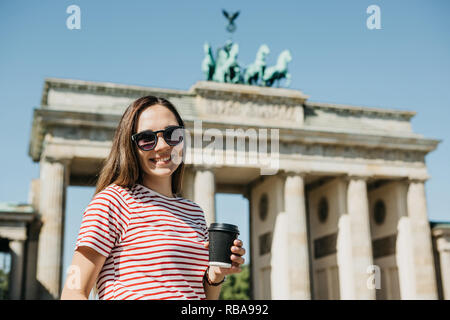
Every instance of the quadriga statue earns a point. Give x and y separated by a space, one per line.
224 66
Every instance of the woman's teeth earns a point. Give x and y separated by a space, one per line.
162 160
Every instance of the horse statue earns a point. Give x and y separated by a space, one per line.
208 64
255 71
227 68
279 71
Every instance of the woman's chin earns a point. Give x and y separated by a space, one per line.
160 171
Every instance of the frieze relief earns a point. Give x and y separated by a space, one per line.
251 110
87 134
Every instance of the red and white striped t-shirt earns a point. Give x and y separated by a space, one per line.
153 244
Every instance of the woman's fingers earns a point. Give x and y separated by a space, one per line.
238 250
237 259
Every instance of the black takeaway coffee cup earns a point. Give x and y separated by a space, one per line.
221 237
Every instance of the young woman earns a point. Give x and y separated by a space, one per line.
139 239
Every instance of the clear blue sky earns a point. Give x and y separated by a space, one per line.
405 65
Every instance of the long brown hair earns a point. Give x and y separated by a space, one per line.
122 166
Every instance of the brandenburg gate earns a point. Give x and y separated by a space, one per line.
343 215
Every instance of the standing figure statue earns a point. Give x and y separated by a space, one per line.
221 56
227 69
255 71
208 64
279 71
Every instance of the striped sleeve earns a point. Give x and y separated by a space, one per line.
104 221
204 228
206 234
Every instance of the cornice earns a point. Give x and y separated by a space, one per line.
349 110
105 88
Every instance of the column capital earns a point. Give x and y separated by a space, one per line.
357 176
412 179
438 232
50 159
443 245
202 167
290 173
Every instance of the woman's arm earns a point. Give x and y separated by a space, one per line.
86 265
212 292
216 274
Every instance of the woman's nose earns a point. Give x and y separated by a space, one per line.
161 143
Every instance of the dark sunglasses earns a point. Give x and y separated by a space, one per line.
148 139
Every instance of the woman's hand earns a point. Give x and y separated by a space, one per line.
216 274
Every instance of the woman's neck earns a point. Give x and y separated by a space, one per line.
161 185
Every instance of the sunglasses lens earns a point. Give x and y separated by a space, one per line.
146 142
173 135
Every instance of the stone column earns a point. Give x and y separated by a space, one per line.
405 259
53 181
17 249
443 247
361 241
425 277
297 239
344 258
204 192
31 286
279 260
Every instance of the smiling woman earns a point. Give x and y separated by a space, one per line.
139 239
124 164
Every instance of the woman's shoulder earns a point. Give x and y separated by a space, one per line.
116 199
114 192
